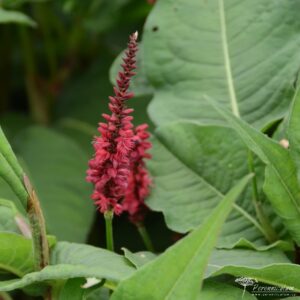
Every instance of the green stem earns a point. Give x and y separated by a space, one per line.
270 233
41 11
145 237
5 66
108 216
37 103
38 227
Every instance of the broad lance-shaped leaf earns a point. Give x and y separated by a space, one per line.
294 130
70 260
192 167
243 53
185 262
281 184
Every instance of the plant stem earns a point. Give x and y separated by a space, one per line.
270 233
145 236
37 222
108 216
37 103
41 12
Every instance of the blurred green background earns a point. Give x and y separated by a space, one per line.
54 83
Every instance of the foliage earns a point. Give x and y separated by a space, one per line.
217 81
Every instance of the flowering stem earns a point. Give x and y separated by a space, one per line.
108 216
145 236
38 227
270 234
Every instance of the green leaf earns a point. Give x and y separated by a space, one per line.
139 259
99 294
185 262
16 254
9 216
11 178
11 170
280 274
6 192
192 167
245 244
243 258
70 260
280 175
139 83
57 167
293 130
10 16
243 53
213 290
72 290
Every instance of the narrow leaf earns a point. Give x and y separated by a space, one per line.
185 262
9 175
294 130
280 274
281 185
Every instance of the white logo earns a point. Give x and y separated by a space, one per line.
245 281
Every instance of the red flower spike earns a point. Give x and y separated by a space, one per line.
139 179
110 167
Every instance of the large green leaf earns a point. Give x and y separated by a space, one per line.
243 53
185 262
192 167
57 166
69 260
281 184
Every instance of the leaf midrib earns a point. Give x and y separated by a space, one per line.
227 62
